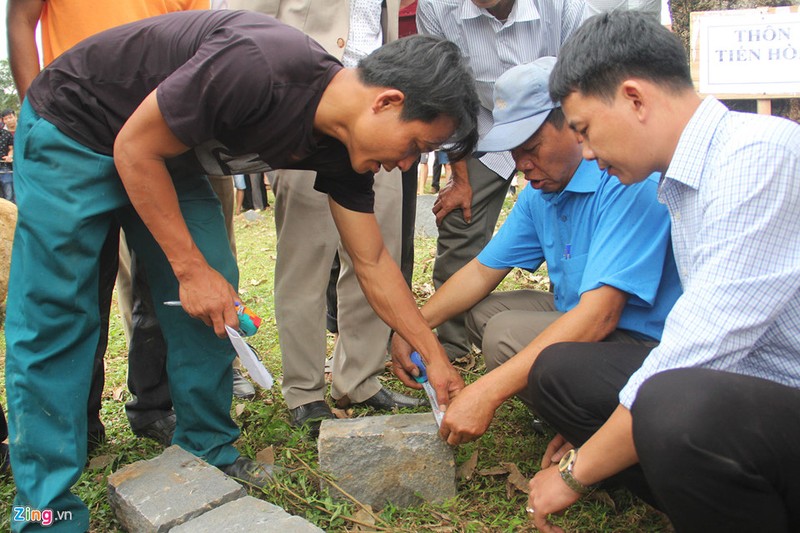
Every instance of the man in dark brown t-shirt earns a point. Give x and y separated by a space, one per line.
126 124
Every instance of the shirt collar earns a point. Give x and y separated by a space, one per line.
523 11
687 162
584 181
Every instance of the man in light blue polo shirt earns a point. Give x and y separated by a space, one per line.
606 245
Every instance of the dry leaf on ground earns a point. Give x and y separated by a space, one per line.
493 471
101 461
266 456
466 470
342 413
366 519
516 478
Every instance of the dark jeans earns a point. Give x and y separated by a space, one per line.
718 451
7 186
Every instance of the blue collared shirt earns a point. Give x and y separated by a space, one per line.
595 232
534 29
733 194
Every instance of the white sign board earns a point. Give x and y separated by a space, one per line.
748 52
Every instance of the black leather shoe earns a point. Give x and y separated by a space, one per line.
242 388
385 400
253 473
311 414
160 431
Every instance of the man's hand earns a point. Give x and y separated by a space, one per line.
445 380
205 294
468 416
555 451
549 494
402 367
456 194
443 377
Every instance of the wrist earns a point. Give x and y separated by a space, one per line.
188 266
566 467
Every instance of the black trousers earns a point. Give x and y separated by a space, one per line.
147 356
718 451
147 375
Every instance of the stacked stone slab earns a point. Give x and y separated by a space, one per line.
395 458
177 491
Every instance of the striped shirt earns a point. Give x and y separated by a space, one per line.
734 199
534 29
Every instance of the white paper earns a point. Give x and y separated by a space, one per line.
257 371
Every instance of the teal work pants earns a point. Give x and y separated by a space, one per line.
68 198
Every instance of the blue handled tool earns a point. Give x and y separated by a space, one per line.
423 379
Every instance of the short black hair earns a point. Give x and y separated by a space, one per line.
611 47
7 112
556 118
435 80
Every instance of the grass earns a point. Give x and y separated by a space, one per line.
486 501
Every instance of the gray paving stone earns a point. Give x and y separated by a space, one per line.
168 490
247 515
395 458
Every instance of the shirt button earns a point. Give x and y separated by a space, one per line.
340 42
563 218
677 215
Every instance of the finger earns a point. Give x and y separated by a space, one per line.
218 322
467 212
442 395
540 522
561 451
453 439
403 376
444 430
230 315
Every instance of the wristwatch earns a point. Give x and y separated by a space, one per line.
565 467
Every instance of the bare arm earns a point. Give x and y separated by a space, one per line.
22 17
386 290
141 147
593 319
472 283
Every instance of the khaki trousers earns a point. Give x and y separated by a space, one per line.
307 243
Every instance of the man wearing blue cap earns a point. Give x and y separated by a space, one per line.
606 245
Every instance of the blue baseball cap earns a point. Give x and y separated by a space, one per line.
521 105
